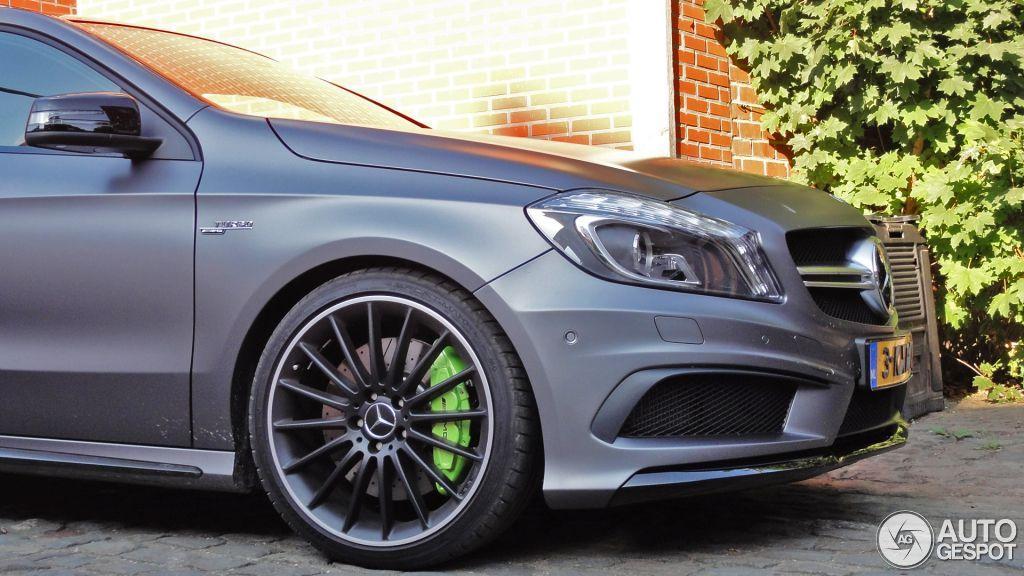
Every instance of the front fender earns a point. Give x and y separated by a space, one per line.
306 214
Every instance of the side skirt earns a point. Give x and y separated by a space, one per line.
150 465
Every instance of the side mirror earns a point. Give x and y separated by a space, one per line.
89 122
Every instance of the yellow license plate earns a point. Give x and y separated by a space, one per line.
889 362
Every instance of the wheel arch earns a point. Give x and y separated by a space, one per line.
277 306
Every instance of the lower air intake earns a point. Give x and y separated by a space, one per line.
869 410
711 405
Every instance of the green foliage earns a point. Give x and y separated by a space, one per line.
910 107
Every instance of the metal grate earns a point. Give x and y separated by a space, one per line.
711 405
869 409
845 305
822 245
906 280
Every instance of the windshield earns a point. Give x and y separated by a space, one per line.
242 81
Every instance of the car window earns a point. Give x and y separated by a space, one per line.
29 69
242 81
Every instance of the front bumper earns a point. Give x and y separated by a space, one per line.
674 483
584 388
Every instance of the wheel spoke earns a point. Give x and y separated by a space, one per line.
355 504
445 445
312 424
328 369
433 474
423 364
349 351
321 451
385 498
447 416
327 488
441 387
415 498
374 342
325 398
401 349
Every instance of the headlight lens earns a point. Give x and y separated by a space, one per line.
631 239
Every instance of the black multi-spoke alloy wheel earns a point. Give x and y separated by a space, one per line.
391 421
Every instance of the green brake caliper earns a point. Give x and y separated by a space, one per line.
447 365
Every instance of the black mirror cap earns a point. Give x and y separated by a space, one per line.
88 122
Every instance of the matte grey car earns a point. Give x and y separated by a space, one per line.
221 274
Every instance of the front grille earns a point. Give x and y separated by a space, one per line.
828 259
844 304
869 409
823 246
906 280
711 405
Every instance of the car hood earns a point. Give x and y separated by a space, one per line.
541 163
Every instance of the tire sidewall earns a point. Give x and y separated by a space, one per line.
426 291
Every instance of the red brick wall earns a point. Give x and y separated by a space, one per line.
51 7
719 116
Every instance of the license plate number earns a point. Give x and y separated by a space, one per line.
889 362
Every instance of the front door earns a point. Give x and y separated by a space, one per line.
96 274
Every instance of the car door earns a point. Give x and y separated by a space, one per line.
96 270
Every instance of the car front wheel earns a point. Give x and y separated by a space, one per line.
391 422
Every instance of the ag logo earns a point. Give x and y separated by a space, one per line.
905 539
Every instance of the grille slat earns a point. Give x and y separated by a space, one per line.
711 405
833 247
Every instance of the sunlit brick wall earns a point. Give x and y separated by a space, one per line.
719 116
52 7
540 68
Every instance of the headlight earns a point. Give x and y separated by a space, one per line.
631 239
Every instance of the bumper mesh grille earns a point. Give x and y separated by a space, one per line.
711 405
869 410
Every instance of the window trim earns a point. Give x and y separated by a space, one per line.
112 76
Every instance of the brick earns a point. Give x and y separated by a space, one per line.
704 30
490 90
550 128
689 119
490 120
505 103
610 137
521 131
694 73
753 166
709 92
698 135
710 123
721 139
718 79
687 87
689 150
709 62
591 124
718 109
695 43
707 153
609 107
692 11
777 169
569 111
548 98
574 139
624 121
472 106
532 85
697 105
528 116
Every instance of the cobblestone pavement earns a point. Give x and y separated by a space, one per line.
821 526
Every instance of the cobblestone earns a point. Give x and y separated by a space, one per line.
822 526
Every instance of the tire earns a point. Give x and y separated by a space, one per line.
378 430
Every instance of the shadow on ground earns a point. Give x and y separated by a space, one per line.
761 518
